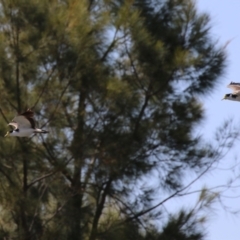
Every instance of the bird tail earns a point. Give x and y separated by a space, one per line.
37 130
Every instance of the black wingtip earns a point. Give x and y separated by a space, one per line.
44 131
234 83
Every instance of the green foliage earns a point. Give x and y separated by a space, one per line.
117 84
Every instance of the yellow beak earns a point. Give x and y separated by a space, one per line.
6 134
224 97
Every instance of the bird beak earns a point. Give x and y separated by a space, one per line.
224 97
6 134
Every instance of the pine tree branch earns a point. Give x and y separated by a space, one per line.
67 115
141 113
25 175
64 172
41 178
90 4
127 207
11 104
18 92
89 171
99 210
56 212
134 68
7 176
3 115
44 87
110 46
150 209
176 193
58 103
36 210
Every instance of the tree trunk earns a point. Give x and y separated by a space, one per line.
77 150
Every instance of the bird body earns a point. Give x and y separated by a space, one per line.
235 96
24 132
24 125
232 97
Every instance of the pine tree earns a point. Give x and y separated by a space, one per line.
117 84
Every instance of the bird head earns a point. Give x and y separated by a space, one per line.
226 96
8 133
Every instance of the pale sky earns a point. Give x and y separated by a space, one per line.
221 224
225 15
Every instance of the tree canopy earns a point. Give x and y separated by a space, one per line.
117 84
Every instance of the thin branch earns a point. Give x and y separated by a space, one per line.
11 104
141 213
134 68
44 87
64 172
18 92
8 177
56 212
90 4
99 210
41 178
126 206
110 46
57 105
147 97
35 214
3 115
89 171
67 115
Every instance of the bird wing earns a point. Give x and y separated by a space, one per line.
28 114
24 122
15 125
234 86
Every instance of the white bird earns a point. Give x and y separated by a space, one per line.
24 125
235 96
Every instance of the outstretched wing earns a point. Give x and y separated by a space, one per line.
15 125
234 86
25 120
28 114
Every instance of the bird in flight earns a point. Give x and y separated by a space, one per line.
235 96
24 125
